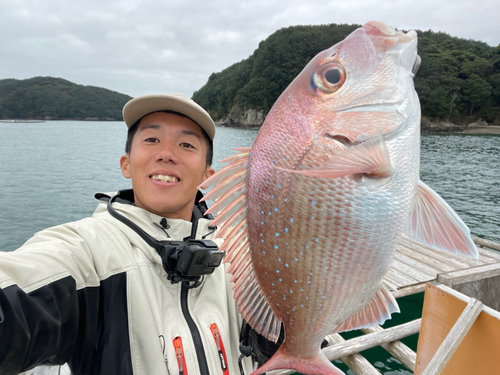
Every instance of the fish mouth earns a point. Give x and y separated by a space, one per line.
385 37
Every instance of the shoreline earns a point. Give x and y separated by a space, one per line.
470 130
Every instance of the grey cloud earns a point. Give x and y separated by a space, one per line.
150 46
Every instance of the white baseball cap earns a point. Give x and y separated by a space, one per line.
141 106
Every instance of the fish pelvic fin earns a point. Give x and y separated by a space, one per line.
374 313
370 157
304 365
230 202
434 223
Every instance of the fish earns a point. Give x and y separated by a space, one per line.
311 214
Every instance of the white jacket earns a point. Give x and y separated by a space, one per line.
92 293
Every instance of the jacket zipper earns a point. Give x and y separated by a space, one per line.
220 348
195 333
179 353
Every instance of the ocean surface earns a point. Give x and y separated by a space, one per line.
49 172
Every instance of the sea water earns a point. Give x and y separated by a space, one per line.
50 171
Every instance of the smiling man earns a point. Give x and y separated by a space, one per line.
167 158
137 288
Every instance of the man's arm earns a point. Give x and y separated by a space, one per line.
44 300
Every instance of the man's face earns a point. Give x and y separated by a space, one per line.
167 163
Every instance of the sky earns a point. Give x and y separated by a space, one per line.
140 47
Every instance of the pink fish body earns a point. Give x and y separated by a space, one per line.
311 215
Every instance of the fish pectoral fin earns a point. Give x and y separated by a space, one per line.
370 158
434 223
374 313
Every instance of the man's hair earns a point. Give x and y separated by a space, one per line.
133 129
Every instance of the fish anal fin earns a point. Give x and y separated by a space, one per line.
370 157
434 223
374 313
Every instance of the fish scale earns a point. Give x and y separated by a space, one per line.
332 182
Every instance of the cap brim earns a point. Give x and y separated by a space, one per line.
139 107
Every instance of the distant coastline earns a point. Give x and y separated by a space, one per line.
428 127
20 121
480 128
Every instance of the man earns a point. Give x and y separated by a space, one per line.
105 293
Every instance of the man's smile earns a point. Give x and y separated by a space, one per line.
164 178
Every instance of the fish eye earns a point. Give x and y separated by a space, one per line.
329 77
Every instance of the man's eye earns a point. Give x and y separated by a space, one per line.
188 145
151 140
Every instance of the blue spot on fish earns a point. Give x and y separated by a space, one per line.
296 259
280 279
286 264
277 234
276 246
279 259
316 240
278 271
276 209
286 230
313 203
291 220
279 186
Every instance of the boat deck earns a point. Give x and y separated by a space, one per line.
415 265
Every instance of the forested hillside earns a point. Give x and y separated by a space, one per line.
49 98
458 80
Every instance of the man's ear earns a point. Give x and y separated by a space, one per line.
209 172
125 166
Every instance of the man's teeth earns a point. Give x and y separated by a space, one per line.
162 178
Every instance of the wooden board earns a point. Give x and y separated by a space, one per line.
478 353
416 264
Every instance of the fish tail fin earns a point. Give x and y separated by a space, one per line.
306 365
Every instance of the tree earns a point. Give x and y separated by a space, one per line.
476 92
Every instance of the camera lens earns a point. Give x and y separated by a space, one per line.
215 259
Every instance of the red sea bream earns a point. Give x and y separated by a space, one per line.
312 213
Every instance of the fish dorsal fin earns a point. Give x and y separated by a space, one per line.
434 223
230 202
374 313
370 157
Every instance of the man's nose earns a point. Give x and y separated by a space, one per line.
167 153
